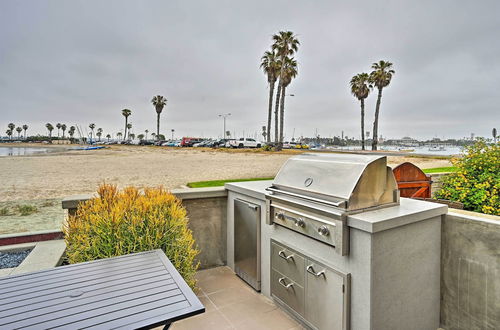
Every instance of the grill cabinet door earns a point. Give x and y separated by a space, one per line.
326 297
247 241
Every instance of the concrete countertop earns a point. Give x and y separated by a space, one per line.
409 210
256 189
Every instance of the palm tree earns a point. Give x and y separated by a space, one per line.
140 136
99 133
289 72
126 113
146 131
50 128
19 130
271 66
63 128
91 126
129 127
380 77
9 133
285 44
11 127
494 133
119 134
58 125
153 135
25 128
360 88
131 136
71 131
158 102
108 136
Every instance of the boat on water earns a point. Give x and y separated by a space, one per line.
405 150
88 148
437 148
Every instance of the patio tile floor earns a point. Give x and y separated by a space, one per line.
231 304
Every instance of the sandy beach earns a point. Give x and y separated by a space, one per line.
56 175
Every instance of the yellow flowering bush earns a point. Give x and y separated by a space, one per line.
122 222
476 183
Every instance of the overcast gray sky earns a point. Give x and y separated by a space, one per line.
78 62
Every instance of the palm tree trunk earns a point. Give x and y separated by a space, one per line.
362 124
25 134
125 132
158 126
282 117
276 119
270 112
375 122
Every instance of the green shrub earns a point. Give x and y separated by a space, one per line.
122 222
476 181
26 209
4 211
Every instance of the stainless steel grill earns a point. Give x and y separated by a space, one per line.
313 193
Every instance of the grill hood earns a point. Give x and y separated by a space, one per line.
346 181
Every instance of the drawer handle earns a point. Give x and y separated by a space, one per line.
283 283
284 256
310 270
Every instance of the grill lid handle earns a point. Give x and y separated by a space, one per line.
336 204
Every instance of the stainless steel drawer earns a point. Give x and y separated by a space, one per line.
288 263
288 291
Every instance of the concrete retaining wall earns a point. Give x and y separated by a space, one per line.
208 221
470 271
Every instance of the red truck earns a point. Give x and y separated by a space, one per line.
189 141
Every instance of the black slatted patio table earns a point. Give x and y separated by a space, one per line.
141 290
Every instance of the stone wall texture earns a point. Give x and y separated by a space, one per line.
470 271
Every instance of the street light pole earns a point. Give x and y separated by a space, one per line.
224 116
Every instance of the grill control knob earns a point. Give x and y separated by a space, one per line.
323 231
300 222
280 216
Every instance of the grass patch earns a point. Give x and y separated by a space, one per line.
218 183
26 209
4 211
440 169
441 157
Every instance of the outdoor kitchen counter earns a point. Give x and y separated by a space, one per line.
407 212
390 273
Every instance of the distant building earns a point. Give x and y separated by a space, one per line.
406 141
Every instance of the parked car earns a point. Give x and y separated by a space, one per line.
146 143
218 143
190 141
159 142
245 143
172 143
227 143
203 143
